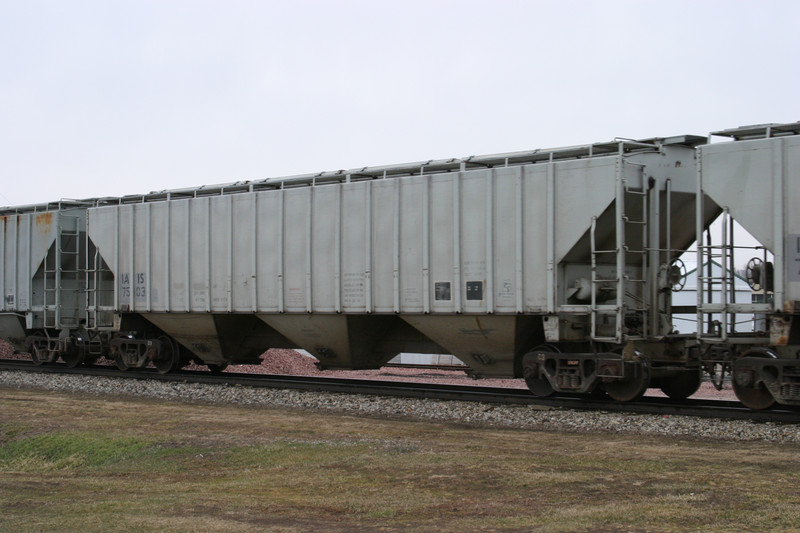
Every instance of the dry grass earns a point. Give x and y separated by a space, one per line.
73 462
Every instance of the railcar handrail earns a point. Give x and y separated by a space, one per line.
600 149
760 131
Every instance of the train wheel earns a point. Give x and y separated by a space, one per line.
217 369
748 388
757 397
539 386
168 357
73 356
38 355
121 364
683 385
631 386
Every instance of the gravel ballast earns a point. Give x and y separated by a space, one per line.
479 414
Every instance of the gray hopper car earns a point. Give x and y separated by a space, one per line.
557 266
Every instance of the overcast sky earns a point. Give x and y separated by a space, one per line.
106 98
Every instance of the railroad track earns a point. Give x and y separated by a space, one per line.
647 405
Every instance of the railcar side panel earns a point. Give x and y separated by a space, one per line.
505 239
222 254
479 241
445 278
538 221
758 181
414 246
324 263
792 199
356 253
24 242
583 189
385 244
176 264
268 251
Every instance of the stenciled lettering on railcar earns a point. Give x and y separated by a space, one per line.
125 285
199 295
140 289
295 297
411 296
506 293
353 289
139 286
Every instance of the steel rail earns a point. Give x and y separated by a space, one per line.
718 409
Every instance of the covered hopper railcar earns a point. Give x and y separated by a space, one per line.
556 266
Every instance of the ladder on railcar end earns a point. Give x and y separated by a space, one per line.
717 307
629 312
62 268
712 317
98 316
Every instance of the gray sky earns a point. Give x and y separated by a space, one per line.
105 98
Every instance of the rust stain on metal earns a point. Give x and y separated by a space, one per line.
44 222
480 328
